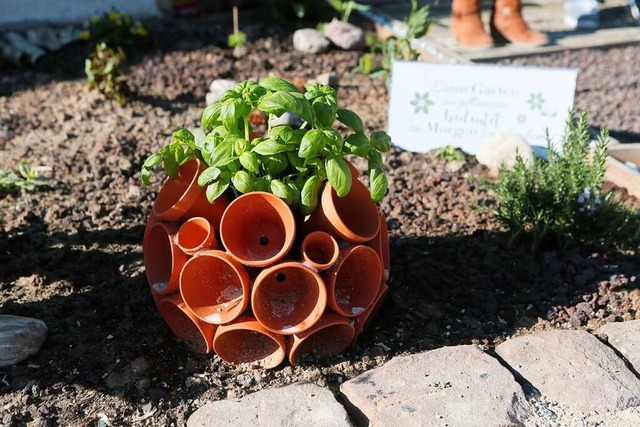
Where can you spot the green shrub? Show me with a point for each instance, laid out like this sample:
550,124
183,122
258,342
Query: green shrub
561,200
103,72
115,29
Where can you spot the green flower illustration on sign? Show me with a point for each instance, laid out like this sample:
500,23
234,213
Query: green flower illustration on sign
536,101
421,103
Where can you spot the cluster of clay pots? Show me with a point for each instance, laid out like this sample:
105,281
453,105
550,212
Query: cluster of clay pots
249,280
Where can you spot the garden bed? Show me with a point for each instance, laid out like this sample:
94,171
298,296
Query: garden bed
71,254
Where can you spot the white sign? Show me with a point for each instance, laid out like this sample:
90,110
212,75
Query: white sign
433,105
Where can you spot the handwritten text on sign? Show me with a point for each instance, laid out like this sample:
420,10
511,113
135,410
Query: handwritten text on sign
433,105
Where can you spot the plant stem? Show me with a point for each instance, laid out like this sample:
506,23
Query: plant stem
247,133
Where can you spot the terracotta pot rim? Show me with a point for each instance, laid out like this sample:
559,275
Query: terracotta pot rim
238,270
176,300
176,258
328,320
251,324
288,221
209,238
316,265
314,315
183,204
328,198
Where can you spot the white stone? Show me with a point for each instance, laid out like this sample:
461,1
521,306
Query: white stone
287,118
344,35
309,40
455,386
625,337
501,151
300,404
573,368
20,338
217,88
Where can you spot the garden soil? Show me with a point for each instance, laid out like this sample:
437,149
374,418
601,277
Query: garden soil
70,253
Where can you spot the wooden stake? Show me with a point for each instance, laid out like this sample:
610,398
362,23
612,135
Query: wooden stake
235,20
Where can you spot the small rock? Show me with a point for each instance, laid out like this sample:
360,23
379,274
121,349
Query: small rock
288,118
240,51
344,35
625,337
330,79
309,40
139,365
192,382
217,88
143,384
20,338
501,150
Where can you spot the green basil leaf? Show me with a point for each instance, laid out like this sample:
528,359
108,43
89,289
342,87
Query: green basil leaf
283,191
305,110
145,176
338,174
154,160
249,161
377,182
294,193
381,141
242,181
282,132
324,113
215,190
277,84
275,164
269,146
334,139
261,184
234,166
312,144
222,154
296,161
310,194
278,103
240,145
207,148
210,116
358,144
171,166
231,111
209,174
375,158
350,119
183,136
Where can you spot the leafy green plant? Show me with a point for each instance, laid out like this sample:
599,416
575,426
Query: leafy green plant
559,200
399,47
103,72
115,29
290,163
344,8
449,153
26,178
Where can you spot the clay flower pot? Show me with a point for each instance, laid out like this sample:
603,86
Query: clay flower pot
353,218
163,260
196,234
179,194
215,287
380,244
258,229
353,282
319,250
363,320
288,298
245,340
211,212
185,324
331,335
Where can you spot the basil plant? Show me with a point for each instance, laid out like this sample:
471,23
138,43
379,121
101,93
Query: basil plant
291,163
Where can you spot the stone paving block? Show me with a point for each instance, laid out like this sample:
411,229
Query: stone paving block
625,337
573,368
300,404
455,386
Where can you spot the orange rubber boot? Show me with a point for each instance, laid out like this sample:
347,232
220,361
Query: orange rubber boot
467,25
508,25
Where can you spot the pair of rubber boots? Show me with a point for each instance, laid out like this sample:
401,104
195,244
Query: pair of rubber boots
507,24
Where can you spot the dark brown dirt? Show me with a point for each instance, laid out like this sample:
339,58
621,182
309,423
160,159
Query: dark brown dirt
70,254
